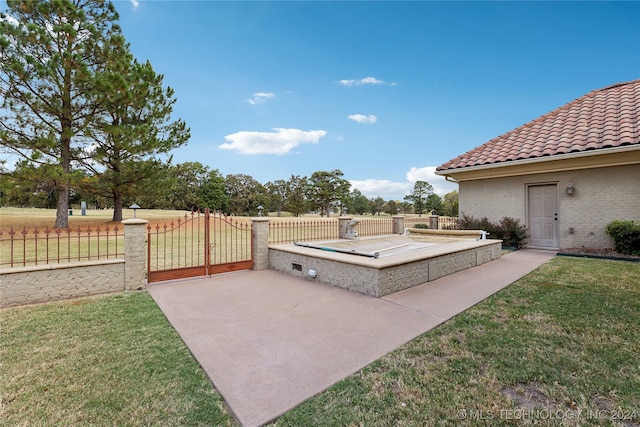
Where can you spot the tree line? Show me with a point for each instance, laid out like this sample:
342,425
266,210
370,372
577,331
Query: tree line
194,186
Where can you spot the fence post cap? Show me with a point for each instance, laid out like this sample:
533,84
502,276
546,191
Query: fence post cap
260,219
134,221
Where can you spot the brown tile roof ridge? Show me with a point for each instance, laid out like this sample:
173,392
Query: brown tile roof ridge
603,118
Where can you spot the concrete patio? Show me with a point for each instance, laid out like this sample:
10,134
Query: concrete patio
269,341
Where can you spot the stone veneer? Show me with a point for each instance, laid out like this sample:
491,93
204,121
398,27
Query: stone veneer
382,276
52,282
37,284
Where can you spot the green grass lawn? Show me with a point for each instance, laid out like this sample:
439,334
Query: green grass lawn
111,360
558,347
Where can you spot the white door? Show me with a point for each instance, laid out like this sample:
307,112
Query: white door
543,216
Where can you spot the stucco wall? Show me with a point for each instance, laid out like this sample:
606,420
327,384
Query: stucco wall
600,196
29,285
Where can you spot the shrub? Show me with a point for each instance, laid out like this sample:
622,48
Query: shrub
625,235
470,223
512,232
421,226
509,230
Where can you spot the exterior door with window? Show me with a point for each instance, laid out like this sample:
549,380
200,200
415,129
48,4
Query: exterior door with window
543,216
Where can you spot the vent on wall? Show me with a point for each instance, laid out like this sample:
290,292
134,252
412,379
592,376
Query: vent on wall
296,267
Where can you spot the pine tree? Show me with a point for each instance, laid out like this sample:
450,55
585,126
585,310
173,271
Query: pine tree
50,55
419,194
132,129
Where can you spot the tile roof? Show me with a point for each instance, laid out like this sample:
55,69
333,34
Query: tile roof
603,118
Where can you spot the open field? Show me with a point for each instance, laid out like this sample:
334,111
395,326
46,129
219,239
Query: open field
35,217
558,347
41,218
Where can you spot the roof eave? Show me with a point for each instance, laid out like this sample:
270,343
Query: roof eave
501,168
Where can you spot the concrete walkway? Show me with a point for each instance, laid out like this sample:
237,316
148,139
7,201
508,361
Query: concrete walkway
269,341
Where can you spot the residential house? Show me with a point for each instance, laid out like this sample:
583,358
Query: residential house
564,175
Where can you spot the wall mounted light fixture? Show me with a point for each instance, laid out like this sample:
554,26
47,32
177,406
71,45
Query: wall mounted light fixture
570,189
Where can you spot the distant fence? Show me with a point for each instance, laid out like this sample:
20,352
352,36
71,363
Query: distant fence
299,229
444,222
374,226
448,222
21,248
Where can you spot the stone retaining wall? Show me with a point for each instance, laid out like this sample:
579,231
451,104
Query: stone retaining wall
37,284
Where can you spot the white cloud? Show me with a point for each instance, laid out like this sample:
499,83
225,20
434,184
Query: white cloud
364,81
280,141
362,118
440,185
135,3
260,97
390,190
384,188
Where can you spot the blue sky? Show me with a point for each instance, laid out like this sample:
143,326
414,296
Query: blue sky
383,91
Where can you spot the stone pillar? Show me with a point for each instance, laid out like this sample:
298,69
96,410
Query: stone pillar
433,222
260,236
397,226
343,226
135,254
